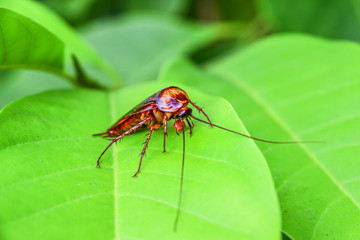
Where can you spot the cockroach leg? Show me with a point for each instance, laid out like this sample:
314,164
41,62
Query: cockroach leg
165,130
200,109
152,128
190,126
193,125
123,135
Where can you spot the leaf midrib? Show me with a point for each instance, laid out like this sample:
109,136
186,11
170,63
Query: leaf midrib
112,104
238,82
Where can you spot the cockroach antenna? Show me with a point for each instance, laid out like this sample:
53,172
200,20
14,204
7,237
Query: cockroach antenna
254,138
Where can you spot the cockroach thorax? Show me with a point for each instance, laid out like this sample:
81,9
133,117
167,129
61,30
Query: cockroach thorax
171,99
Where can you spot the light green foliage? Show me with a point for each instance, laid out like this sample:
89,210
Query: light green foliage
138,45
295,87
24,43
51,189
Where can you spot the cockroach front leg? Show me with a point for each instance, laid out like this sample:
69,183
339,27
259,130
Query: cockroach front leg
200,110
165,130
190,126
152,128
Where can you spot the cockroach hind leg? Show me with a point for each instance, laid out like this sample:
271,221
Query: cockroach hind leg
143,152
121,136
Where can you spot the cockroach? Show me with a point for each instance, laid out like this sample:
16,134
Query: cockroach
154,112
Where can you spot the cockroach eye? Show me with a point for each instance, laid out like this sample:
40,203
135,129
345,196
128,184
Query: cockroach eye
185,113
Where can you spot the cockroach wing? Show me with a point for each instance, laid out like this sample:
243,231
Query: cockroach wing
131,118
146,105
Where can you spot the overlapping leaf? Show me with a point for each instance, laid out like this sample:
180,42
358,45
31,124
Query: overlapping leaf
31,36
24,43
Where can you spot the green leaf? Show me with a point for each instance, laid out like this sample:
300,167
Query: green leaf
51,189
39,29
16,84
329,18
138,45
295,87
24,43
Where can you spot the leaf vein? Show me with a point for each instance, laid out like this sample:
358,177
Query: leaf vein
294,175
187,211
242,85
323,213
55,207
45,176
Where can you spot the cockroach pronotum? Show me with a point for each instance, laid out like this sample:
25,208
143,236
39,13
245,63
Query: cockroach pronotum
169,103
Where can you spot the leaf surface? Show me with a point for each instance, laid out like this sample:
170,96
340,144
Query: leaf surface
20,83
295,87
49,178
25,43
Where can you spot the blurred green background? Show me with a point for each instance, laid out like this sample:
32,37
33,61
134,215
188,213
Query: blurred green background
135,38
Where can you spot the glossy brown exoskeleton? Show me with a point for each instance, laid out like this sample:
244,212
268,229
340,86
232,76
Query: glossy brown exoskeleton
167,104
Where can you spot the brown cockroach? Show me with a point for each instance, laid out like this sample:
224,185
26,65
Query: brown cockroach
167,104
